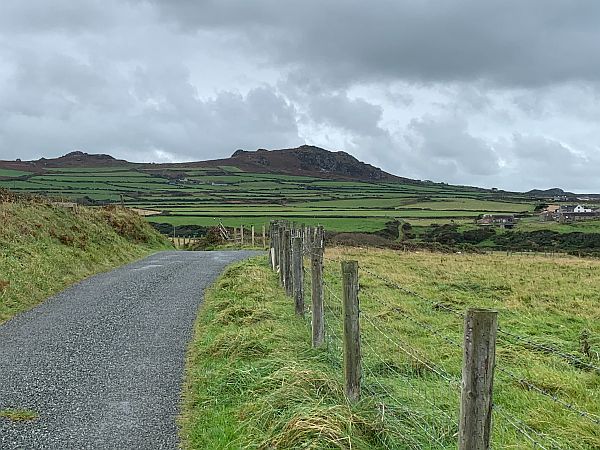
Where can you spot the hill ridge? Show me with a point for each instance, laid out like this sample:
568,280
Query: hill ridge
306,160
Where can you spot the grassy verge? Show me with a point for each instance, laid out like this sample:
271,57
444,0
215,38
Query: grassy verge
44,248
254,382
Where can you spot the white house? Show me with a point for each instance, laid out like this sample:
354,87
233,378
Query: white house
581,209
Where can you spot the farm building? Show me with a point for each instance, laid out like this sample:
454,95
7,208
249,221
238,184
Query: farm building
573,213
501,220
569,213
549,213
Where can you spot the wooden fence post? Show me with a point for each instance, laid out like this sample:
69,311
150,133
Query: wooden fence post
479,355
252,235
264,237
273,245
352,368
281,253
287,265
241,234
318,319
298,275
320,236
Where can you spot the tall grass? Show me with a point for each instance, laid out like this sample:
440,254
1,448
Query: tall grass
254,382
44,248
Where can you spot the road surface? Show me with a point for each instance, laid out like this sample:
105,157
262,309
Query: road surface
102,362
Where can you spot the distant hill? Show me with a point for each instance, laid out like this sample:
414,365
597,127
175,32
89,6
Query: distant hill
305,160
70,160
553,192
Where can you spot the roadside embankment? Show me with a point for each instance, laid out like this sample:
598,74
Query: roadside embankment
45,247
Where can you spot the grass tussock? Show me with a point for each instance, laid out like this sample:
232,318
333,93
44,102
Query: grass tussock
18,415
45,247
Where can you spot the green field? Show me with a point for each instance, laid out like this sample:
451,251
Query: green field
207,196
212,195
9,173
253,380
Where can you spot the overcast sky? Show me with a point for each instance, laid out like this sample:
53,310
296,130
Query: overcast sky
494,93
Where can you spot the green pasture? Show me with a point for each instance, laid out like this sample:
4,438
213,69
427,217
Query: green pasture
10,173
198,195
90,169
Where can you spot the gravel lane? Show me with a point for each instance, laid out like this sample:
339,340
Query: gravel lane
102,362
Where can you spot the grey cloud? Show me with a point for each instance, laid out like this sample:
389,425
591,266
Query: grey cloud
79,16
146,111
354,115
506,42
445,145
547,162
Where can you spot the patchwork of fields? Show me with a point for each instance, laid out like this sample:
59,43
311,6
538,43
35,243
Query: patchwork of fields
208,196
186,196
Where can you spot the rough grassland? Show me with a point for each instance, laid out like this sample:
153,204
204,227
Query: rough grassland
254,382
44,248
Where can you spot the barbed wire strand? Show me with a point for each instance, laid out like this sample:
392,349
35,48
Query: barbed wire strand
576,361
525,429
409,383
570,406
547,349
427,326
414,354
396,285
398,404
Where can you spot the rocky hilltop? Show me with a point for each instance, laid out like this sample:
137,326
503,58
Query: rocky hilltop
70,160
307,160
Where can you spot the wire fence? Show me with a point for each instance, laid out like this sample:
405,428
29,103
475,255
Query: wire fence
533,436
406,380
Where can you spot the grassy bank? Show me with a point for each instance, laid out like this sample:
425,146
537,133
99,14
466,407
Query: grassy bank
254,382
44,248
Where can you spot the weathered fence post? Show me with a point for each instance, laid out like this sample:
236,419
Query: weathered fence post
308,241
264,235
479,359
281,257
352,368
298,275
241,234
252,235
318,319
287,262
273,245
320,236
